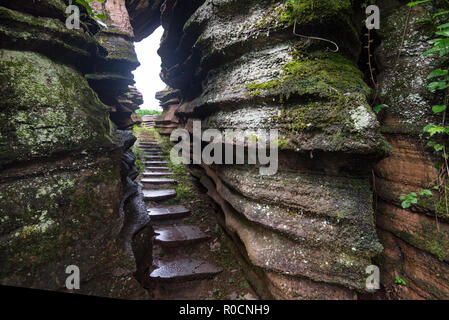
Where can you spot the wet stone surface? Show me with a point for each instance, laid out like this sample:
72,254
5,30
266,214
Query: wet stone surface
166,213
184,270
179,236
158,195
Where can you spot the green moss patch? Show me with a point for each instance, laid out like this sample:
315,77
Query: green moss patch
322,74
47,107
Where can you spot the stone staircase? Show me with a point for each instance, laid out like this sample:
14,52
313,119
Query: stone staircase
149,121
172,276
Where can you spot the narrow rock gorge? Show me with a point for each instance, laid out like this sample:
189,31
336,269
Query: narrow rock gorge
69,188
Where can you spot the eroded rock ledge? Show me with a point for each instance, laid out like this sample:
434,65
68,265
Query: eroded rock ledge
66,190
307,232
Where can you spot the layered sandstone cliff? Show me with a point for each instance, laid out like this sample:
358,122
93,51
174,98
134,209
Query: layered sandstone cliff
66,190
169,102
416,240
308,231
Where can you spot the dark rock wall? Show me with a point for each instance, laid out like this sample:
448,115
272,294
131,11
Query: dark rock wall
145,16
62,200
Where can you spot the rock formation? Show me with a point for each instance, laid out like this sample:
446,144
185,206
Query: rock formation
112,78
67,190
169,101
62,198
416,241
308,231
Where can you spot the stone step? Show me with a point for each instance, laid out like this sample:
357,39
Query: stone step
150,174
156,163
152,150
179,236
157,181
148,144
153,157
183,270
168,213
158,168
158,195
164,155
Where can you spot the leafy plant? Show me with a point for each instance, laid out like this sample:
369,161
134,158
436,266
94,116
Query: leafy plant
413,198
439,83
86,4
140,158
400,281
380,107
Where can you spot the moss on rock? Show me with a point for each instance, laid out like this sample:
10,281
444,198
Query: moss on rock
47,108
321,73
59,218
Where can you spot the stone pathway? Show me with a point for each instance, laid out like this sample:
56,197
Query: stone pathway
173,276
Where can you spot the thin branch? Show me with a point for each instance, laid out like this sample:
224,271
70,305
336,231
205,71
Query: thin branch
315,38
369,60
404,34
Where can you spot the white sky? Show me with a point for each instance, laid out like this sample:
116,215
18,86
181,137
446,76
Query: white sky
147,75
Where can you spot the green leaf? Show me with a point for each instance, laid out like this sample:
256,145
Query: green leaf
446,25
443,33
432,129
405,204
436,146
438,109
437,85
440,46
430,51
414,3
440,13
437,73
426,192
425,19
380,107
399,280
